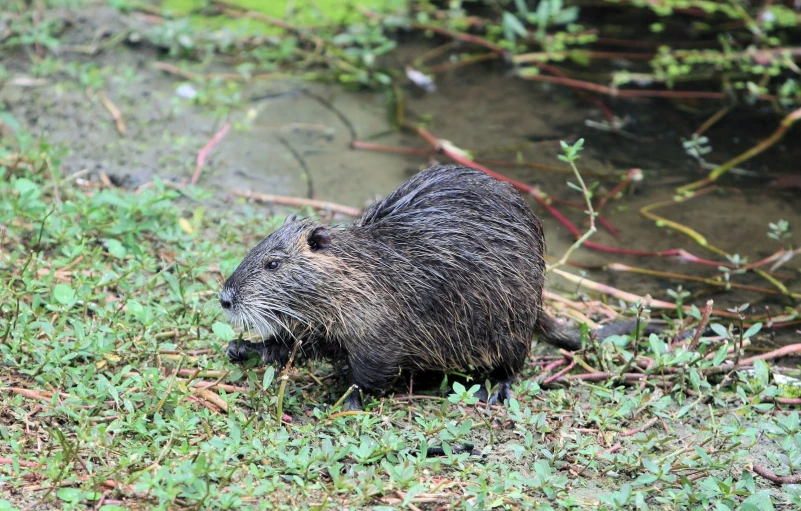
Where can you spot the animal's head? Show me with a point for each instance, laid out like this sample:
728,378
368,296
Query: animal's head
280,279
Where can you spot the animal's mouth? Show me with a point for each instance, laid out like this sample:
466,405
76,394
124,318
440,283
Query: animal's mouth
256,325
262,317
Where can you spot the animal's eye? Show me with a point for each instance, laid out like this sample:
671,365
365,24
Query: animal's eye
272,264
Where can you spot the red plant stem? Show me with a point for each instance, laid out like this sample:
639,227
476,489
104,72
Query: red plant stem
627,93
536,57
608,114
786,400
561,373
626,43
550,367
634,431
781,352
606,224
467,38
22,463
224,386
629,177
701,325
201,157
203,402
765,261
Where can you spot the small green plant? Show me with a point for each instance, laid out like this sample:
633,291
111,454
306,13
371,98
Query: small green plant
697,147
571,155
463,395
780,231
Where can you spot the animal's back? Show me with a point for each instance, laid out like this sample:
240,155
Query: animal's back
458,193
473,253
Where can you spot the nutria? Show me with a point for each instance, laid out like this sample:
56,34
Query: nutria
445,273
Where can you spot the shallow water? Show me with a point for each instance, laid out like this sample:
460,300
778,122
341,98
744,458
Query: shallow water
289,138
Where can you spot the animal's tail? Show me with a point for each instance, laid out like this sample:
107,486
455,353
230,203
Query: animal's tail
570,339
552,333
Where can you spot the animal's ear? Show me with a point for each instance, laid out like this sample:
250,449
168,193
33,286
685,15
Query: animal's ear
319,238
291,218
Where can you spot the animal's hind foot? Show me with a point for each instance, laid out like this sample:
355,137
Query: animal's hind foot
353,403
500,396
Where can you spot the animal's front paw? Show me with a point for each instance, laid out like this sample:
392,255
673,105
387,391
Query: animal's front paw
239,352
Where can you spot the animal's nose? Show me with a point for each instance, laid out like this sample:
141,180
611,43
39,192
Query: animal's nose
226,298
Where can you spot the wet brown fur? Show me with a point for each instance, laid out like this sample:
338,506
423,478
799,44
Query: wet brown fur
445,273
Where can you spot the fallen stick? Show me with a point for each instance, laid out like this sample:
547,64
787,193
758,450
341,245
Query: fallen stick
774,478
611,291
299,202
640,429
114,111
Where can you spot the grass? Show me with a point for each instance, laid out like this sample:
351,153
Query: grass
115,389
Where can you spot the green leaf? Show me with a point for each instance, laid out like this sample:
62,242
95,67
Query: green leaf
683,411
658,346
269,375
64,294
511,23
543,469
755,328
720,356
135,308
646,479
650,466
695,379
70,494
719,329
26,187
223,331
7,506
757,502
703,454
116,249
761,372
566,16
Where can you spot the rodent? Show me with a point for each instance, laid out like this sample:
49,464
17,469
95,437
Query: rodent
445,273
